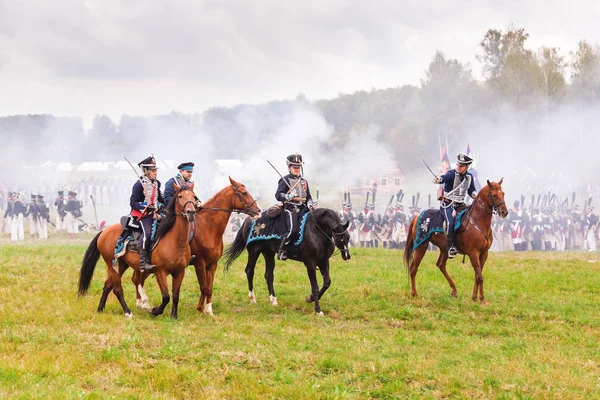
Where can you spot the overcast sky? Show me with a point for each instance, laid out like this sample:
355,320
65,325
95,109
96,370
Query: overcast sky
84,57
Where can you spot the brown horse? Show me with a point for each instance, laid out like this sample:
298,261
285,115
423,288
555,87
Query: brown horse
207,242
473,238
171,256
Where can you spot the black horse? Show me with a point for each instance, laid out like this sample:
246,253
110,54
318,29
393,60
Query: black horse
323,233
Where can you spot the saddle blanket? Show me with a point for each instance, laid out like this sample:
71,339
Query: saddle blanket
432,221
267,228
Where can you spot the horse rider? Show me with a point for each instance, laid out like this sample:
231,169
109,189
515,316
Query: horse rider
146,201
294,192
458,183
183,179
72,213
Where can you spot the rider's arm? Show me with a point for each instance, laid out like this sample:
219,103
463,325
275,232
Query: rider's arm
137,197
282,191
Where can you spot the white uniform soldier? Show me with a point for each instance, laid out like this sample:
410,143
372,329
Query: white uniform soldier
32,214
73,212
59,203
42,217
18,211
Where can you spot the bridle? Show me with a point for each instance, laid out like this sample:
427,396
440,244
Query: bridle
494,208
331,237
247,207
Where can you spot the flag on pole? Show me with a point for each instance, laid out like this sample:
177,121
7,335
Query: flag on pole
468,150
445,161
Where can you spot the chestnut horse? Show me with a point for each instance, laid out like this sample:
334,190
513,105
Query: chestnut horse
473,238
171,255
207,242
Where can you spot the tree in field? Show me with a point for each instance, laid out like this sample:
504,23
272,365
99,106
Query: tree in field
552,69
585,71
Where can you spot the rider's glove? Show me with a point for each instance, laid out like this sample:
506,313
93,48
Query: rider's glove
437,180
288,196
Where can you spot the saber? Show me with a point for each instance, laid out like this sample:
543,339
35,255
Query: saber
286,182
134,170
429,169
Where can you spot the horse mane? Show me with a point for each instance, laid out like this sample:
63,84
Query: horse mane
216,196
167,222
324,214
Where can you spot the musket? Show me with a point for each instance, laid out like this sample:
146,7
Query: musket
95,214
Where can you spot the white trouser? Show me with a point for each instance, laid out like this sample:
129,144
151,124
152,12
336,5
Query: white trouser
591,240
16,228
59,223
71,223
42,228
32,225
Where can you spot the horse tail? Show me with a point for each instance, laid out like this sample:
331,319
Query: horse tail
90,258
237,247
410,242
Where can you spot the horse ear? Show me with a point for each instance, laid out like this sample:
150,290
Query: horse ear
176,186
346,225
191,186
233,183
500,181
489,183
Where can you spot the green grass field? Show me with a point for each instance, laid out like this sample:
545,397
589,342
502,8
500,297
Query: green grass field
537,337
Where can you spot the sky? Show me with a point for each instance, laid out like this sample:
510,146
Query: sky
114,57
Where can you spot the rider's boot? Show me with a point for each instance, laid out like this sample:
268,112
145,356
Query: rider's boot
281,253
451,249
145,265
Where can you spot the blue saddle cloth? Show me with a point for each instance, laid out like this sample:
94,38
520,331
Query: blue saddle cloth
432,221
267,228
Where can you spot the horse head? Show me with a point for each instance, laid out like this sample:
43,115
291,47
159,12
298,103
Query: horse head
495,198
185,205
330,221
243,200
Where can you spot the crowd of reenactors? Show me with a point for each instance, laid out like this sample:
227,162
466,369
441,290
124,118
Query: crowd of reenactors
550,225
36,213
547,223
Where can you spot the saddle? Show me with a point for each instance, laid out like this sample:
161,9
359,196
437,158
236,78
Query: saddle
130,236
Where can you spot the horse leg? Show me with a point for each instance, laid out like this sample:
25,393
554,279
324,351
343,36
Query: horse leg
161,279
118,288
478,275
177,279
210,280
141,301
482,259
418,255
441,264
324,268
250,265
269,277
200,267
108,285
311,269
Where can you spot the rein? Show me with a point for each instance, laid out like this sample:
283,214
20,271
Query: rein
336,250
493,210
246,210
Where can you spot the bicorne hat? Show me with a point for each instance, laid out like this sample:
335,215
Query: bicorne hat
148,163
61,192
294,160
463,159
186,166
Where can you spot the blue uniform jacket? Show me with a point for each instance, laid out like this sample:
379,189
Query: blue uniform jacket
282,188
448,182
136,201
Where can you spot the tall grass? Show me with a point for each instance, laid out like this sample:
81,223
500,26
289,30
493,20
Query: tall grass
537,337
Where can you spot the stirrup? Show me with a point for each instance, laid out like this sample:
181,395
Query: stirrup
147,267
281,255
192,258
452,252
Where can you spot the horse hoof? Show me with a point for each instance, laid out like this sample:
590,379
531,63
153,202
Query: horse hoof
454,294
155,311
273,300
129,315
309,298
484,303
320,314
